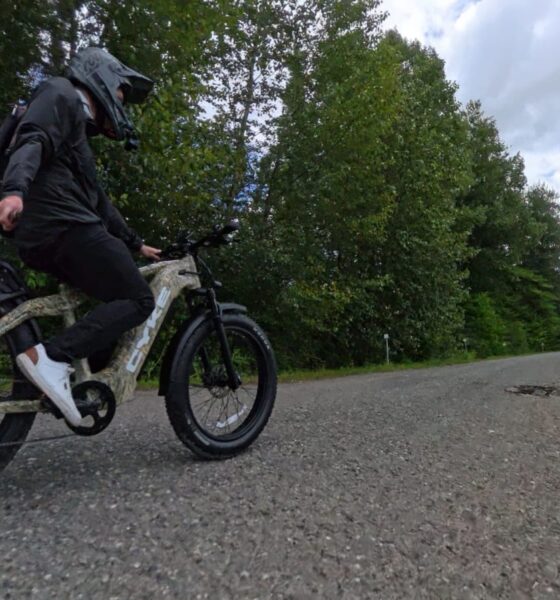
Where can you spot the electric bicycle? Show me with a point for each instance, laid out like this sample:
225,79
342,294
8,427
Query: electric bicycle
218,374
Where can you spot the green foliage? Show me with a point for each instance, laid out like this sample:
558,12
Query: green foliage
426,244
21,46
515,238
486,330
371,202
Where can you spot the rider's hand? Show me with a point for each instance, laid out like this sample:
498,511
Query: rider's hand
10,210
150,253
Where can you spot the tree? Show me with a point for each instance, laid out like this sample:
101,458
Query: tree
428,166
502,224
322,187
370,201
514,240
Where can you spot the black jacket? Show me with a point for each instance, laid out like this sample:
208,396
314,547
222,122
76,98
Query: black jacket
52,168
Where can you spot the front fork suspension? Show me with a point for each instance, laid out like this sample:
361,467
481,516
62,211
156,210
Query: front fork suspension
233,378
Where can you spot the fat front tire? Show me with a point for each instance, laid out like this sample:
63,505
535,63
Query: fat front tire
210,418
14,428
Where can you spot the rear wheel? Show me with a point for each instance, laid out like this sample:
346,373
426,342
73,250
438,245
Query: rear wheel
14,428
209,417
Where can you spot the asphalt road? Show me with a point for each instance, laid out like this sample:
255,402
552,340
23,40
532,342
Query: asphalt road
420,484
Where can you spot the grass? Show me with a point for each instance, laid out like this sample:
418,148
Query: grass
147,384
312,374
315,374
459,359
304,375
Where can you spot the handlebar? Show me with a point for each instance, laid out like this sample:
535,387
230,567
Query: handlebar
219,236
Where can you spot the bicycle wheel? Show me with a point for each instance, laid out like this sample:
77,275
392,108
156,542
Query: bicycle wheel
14,428
210,418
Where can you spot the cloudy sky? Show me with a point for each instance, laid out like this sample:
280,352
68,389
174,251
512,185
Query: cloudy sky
505,53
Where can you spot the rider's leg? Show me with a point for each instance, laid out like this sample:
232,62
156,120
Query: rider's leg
89,258
92,260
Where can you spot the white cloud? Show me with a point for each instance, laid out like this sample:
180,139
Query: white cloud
506,54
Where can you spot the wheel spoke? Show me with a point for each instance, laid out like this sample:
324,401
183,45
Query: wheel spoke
211,405
199,390
221,411
246,390
213,411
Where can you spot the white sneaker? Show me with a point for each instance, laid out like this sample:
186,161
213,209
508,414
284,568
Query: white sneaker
52,377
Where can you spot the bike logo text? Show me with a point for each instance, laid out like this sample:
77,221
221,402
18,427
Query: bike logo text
138,353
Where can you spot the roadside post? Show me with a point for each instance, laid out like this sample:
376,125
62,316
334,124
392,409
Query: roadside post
386,338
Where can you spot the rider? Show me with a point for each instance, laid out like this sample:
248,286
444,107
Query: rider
63,223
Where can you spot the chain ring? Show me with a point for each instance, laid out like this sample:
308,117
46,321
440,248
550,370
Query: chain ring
104,400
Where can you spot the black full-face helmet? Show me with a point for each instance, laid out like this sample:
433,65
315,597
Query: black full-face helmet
102,75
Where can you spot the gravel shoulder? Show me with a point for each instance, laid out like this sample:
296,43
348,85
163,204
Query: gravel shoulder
434,483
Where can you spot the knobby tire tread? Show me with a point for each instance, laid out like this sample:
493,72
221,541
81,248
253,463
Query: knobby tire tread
187,430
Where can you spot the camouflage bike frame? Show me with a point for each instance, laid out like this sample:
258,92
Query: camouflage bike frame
169,279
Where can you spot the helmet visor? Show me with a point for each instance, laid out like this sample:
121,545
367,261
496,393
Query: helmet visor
135,86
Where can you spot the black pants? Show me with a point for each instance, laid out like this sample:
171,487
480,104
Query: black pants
87,257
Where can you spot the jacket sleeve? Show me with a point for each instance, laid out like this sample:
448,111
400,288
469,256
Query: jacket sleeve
47,123
115,223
